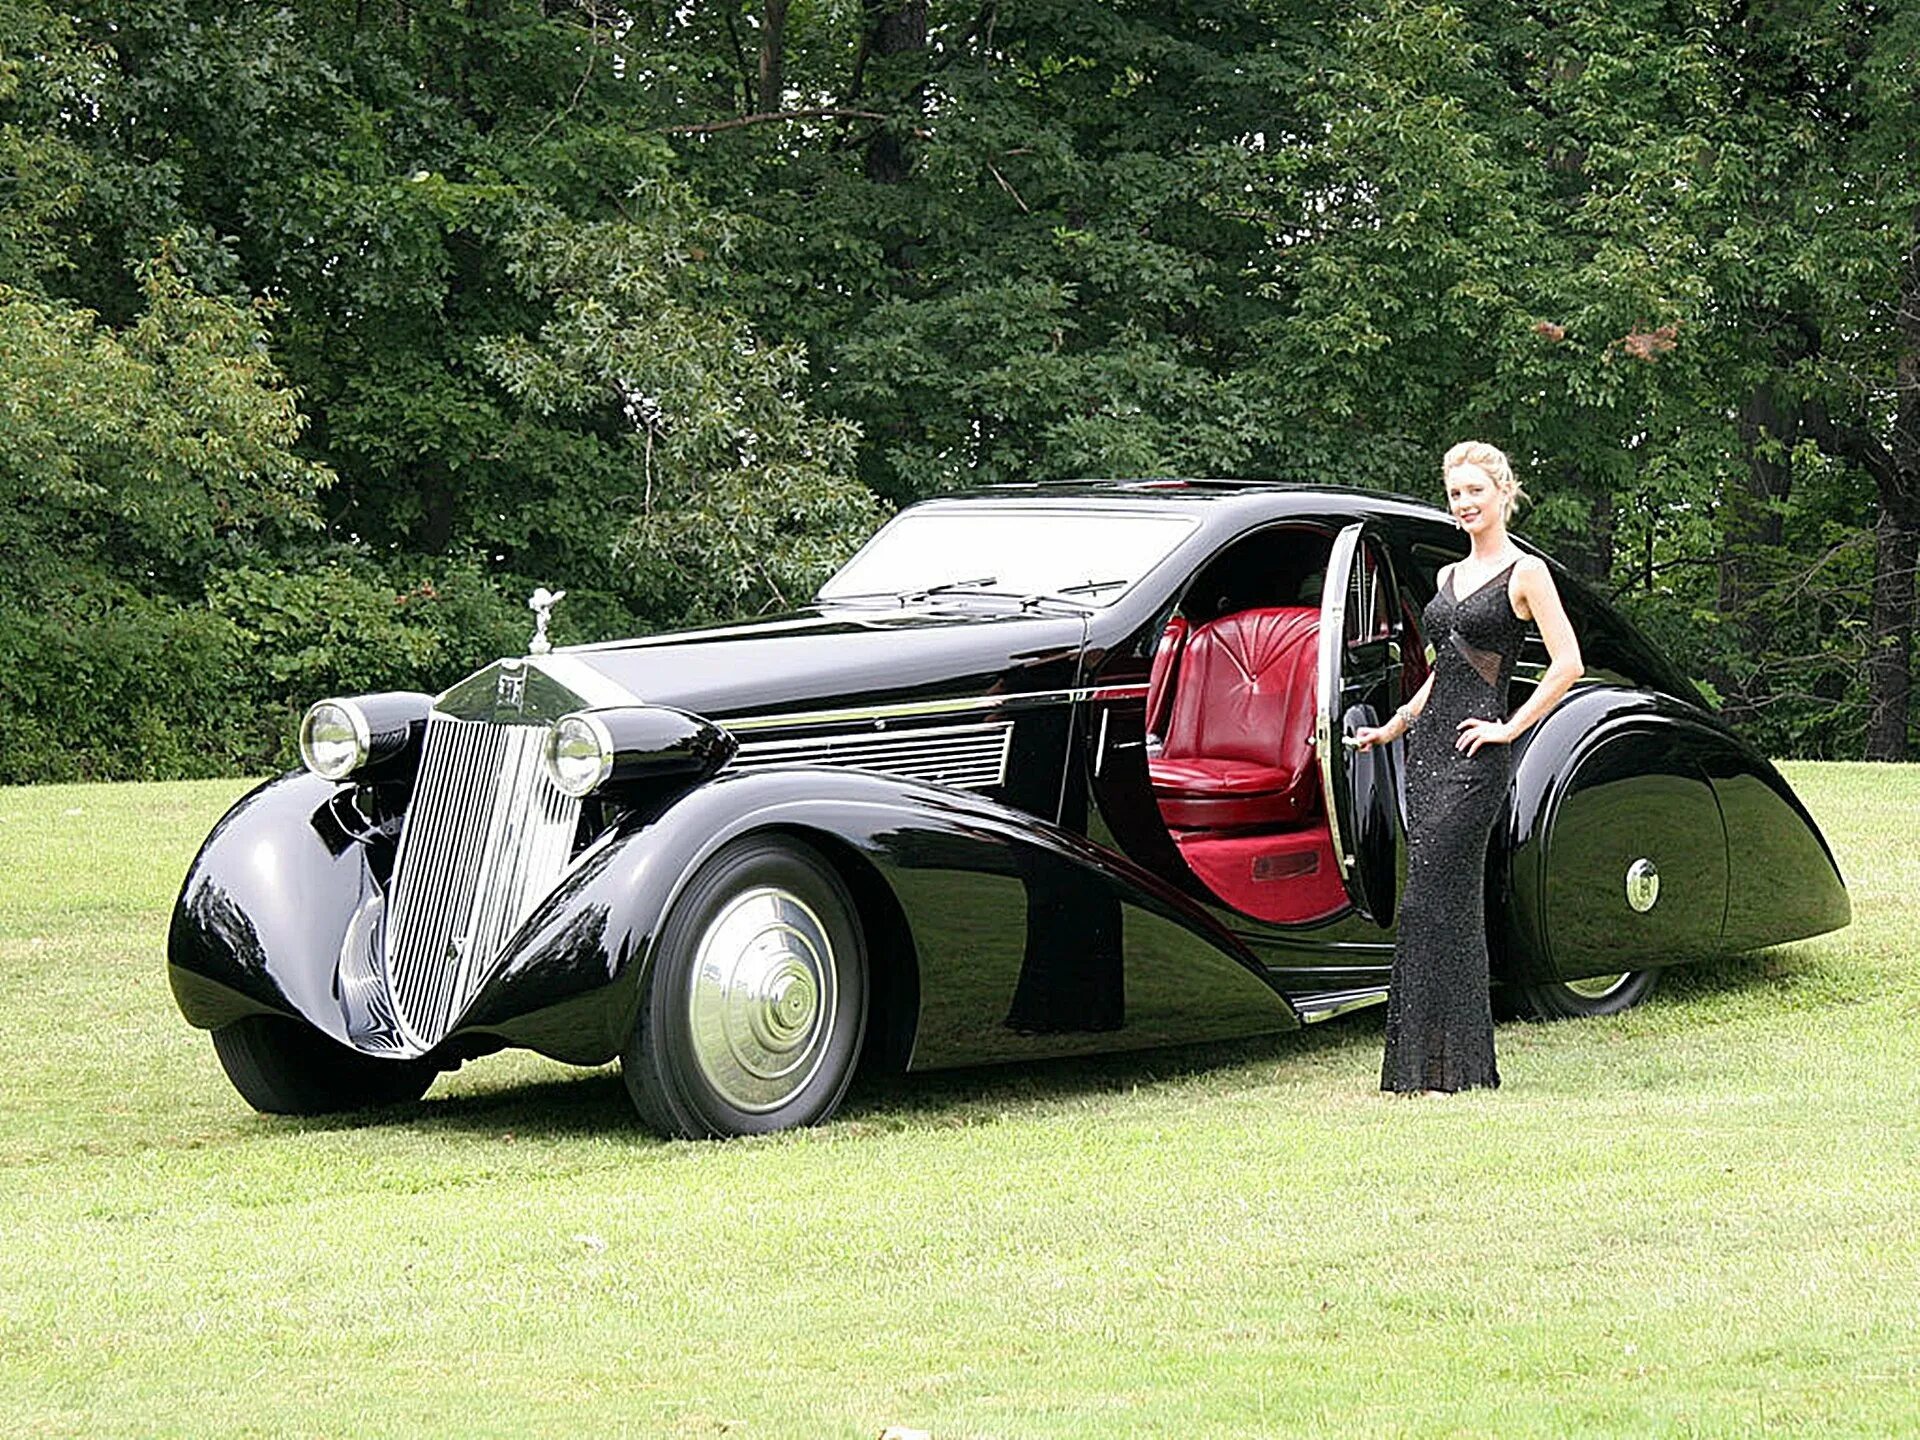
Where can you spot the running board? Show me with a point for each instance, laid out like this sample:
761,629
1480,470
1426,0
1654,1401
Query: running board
1326,1004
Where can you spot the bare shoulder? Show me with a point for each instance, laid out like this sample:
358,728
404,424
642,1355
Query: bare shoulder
1531,586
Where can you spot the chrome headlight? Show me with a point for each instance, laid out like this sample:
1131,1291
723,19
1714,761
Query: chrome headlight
339,738
579,754
635,750
334,739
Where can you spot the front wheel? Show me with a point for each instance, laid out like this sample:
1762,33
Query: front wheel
285,1067
754,1011
1597,995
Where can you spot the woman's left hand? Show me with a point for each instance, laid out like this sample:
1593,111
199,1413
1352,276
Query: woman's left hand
1475,733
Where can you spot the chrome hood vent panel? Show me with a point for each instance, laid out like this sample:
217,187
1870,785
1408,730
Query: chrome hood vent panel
968,756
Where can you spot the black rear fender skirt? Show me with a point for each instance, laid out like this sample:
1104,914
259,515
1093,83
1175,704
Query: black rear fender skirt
1643,833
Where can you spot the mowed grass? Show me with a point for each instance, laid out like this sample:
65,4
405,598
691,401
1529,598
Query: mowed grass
1702,1218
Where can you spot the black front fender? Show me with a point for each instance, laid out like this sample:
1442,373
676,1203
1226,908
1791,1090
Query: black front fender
266,906
1022,939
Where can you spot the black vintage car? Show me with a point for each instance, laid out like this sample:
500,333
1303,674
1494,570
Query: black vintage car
1041,771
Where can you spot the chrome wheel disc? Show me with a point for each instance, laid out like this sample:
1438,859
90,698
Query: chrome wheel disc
762,999
1598,987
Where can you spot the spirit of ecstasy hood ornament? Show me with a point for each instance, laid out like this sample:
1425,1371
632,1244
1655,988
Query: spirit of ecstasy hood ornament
541,603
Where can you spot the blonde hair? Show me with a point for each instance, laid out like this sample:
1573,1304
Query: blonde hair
1493,460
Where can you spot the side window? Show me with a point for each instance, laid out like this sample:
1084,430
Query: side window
1370,606
1280,565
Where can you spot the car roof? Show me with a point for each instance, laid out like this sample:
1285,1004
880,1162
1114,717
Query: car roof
1215,498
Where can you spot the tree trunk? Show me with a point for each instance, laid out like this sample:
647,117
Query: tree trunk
1590,556
1750,523
772,77
1751,519
1897,535
896,27
1896,546
436,508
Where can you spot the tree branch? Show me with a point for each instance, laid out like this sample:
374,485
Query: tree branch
773,118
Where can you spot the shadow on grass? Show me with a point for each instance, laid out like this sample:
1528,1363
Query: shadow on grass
594,1103
1802,971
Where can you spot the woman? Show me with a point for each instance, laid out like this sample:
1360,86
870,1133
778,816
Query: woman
1439,1016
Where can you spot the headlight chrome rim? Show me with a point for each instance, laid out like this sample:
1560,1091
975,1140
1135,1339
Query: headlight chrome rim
334,763
579,754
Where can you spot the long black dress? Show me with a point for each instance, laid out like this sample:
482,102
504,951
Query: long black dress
1439,1016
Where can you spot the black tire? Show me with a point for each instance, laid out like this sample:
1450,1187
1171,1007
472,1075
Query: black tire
284,1067
1560,1000
774,1054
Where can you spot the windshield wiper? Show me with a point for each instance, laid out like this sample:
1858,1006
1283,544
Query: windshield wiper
979,583
1088,585
1063,596
907,596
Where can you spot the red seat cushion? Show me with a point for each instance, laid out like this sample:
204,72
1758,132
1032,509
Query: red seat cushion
1238,752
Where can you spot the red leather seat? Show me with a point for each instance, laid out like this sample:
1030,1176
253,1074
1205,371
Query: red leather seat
1238,751
1166,657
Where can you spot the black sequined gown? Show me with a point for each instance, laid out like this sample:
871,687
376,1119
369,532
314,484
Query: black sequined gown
1439,1017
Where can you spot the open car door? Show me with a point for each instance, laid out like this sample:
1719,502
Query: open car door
1359,678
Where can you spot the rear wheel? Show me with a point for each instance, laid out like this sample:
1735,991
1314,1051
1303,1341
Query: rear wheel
754,1011
285,1067
1596,995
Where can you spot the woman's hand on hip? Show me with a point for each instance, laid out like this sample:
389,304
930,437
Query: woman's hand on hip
1475,733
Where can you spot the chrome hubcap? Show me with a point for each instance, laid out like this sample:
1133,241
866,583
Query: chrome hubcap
762,999
1598,987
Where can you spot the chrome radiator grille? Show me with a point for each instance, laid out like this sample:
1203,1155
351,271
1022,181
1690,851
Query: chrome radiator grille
486,837
971,757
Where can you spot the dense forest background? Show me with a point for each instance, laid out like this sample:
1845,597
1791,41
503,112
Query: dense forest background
330,328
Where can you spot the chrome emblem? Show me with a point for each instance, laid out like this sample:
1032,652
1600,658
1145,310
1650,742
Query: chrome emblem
541,603
1643,885
510,691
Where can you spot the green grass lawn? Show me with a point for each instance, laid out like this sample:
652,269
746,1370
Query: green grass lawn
1699,1219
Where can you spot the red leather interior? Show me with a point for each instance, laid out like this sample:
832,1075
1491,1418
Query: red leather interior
1166,659
1237,753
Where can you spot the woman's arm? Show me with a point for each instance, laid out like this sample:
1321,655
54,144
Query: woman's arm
1538,600
1367,737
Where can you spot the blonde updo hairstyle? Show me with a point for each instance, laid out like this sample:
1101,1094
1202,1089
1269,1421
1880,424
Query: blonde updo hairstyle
1493,460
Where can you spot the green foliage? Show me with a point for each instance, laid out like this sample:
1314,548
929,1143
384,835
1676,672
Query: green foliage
131,461
343,628
745,500
104,682
666,307
158,446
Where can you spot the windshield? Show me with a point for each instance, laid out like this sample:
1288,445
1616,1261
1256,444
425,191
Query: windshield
1090,559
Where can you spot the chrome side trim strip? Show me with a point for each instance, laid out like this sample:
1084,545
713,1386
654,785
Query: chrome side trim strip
1315,1008
911,709
1333,624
